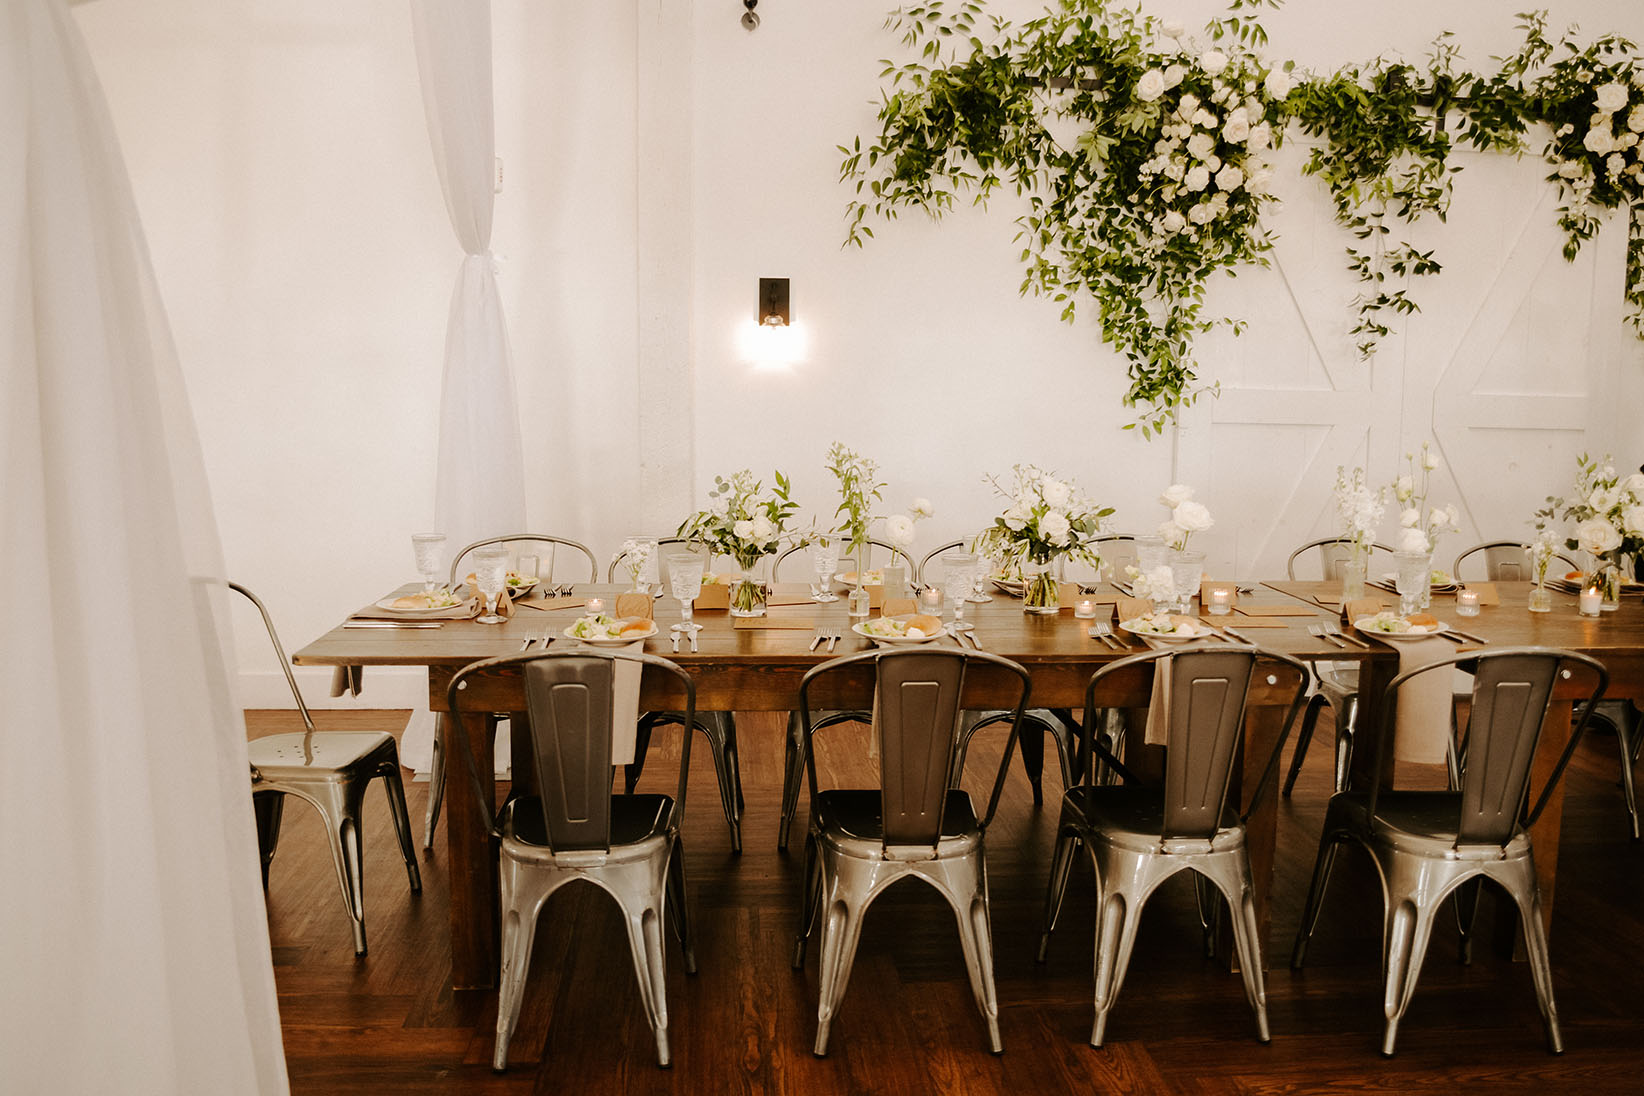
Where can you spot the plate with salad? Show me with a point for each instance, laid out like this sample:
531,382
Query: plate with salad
1165,627
919,628
602,628
433,602
1390,625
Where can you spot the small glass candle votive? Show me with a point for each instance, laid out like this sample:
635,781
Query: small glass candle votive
930,601
1467,603
1084,609
1591,601
594,606
1219,601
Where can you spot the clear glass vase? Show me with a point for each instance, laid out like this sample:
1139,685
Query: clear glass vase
1607,581
1041,587
748,592
1353,571
1186,575
1540,600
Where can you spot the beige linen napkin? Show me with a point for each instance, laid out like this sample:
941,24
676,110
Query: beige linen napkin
1421,732
625,675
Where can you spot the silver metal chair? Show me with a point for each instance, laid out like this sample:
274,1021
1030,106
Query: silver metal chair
917,823
664,546
1429,844
1137,837
1337,683
895,555
436,767
627,845
1504,561
330,771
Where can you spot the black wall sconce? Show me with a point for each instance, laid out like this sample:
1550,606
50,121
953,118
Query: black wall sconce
750,18
773,303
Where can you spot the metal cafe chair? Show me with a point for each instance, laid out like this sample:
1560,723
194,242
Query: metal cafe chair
575,828
1137,837
1429,844
917,823
436,767
1504,561
328,770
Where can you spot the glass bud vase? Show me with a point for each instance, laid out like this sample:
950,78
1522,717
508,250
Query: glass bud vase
748,592
1041,592
1353,570
1607,580
1540,600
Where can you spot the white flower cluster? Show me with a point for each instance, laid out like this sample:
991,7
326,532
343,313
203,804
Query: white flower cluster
1608,510
1615,137
636,557
743,520
1186,516
1358,509
1047,517
899,527
1420,525
1157,584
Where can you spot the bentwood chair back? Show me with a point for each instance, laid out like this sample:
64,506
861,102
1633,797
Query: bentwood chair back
1333,554
1430,844
575,829
875,547
917,823
665,547
1137,837
1505,561
329,770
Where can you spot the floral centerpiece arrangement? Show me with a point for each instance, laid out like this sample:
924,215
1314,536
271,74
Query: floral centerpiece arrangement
1541,553
1608,515
1186,516
1359,511
747,523
1157,584
637,555
1048,520
1420,523
860,490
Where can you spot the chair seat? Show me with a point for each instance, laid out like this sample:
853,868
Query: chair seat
281,756
1421,823
851,815
1133,818
637,823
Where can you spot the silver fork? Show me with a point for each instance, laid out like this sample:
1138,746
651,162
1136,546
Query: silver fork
833,638
1333,630
1317,631
1104,632
816,640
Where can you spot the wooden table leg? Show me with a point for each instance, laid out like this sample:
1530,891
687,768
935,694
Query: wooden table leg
1262,727
473,862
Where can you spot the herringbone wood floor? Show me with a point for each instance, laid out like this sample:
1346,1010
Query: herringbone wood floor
390,1022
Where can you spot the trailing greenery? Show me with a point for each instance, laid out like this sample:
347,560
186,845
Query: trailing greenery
1166,182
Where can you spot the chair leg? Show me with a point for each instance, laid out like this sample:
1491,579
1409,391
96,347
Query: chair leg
841,930
1032,744
724,757
1629,742
1315,898
436,784
1117,917
642,746
1304,737
268,808
1409,928
970,909
810,900
645,942
1467,895
1230,875
727,723
1061,866
1346,721
1207,896
342,816
1528,897
793,774
518,931
678,910
394,785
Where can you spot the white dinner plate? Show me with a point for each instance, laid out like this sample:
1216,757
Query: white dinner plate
1200,631
610,641
848,578
1397,637
523,586
388,603
1391,581
860,630
1015,587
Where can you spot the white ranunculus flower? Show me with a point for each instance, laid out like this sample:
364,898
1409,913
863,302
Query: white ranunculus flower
1201,145
1196,180
1172,533
1015,518
1598,536
1569,169
1175,495
1411,540
1150,86
1440,519
1173,222
1604,498
922,507
1277,84
1172,28
1635,119
1403,488
742,530
1611,97
1634,485
1615,163
1599,140
1187,105
1203,119
1409,517
1192,516
899,530
1202,214
1173,75
1213,61
1055,527
1453,515
1055,492
1429,460
1632,520
763,530
1237,129
1229,178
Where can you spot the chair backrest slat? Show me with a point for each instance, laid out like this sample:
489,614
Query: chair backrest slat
918,720
1510,697
569,701
1207,698
1333,554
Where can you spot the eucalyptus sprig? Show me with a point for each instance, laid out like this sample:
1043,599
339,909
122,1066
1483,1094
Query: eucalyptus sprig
859,489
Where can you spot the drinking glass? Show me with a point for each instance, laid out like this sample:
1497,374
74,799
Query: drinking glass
1186,574
981,570
490,575
1411,579
1150,553
429,549
958,580
825,558
685,582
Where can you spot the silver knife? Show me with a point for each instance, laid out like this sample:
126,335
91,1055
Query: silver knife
1240,636
390,624
1468,636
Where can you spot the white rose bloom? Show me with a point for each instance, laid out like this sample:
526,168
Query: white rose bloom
1015,518
1213,163
1404,487
1634,485
1150,86
1172,28
1277,84
1189,103
1229,178
1055,527
922,507
1192,516
762,528
1173,75
1598,120
1601,141
1055,492
1200,145
1237,129
742,530
899,530
1196,180
1213,61
1261,136
1569,169
1257,183
1598,536
1173,222
1611,97
1632,518
1203,119
1175,495
1604,498
1409,518
1411,540
1173,534
1635,119
1626,140
1615,163
1202,214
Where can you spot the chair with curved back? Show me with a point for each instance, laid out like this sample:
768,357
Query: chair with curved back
1428,845
1137,837
1504,561
575,828
436,767
328,770
1337,682
873,543
917,823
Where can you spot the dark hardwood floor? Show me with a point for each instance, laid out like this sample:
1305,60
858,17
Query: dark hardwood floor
391,1023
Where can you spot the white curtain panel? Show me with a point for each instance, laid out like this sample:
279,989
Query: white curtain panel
134,952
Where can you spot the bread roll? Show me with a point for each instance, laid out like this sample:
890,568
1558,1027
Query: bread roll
411,601
927,624
636,626
1422,620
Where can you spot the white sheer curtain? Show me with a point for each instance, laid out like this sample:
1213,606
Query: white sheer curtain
134,951
480,488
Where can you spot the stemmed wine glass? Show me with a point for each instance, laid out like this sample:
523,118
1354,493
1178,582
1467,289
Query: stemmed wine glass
685,582
958,582
430,552
981,569
1411,579
490,576
825,558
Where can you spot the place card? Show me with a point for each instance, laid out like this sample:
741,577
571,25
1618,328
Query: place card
714,595
1129,608
633,605
1361,607
899,606
1486,591
548,603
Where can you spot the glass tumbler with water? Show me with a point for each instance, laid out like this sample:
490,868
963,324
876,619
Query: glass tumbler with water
825,559
958,580
685,583
430,552
490,575
1411,579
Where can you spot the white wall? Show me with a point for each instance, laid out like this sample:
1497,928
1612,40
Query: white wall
659,160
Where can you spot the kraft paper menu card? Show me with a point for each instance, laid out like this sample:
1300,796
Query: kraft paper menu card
1278,610
1129,608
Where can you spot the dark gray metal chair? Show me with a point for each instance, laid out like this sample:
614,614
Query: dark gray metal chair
1429,844
627,845
436,767
917,823
1504,561
1137,837
328,770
